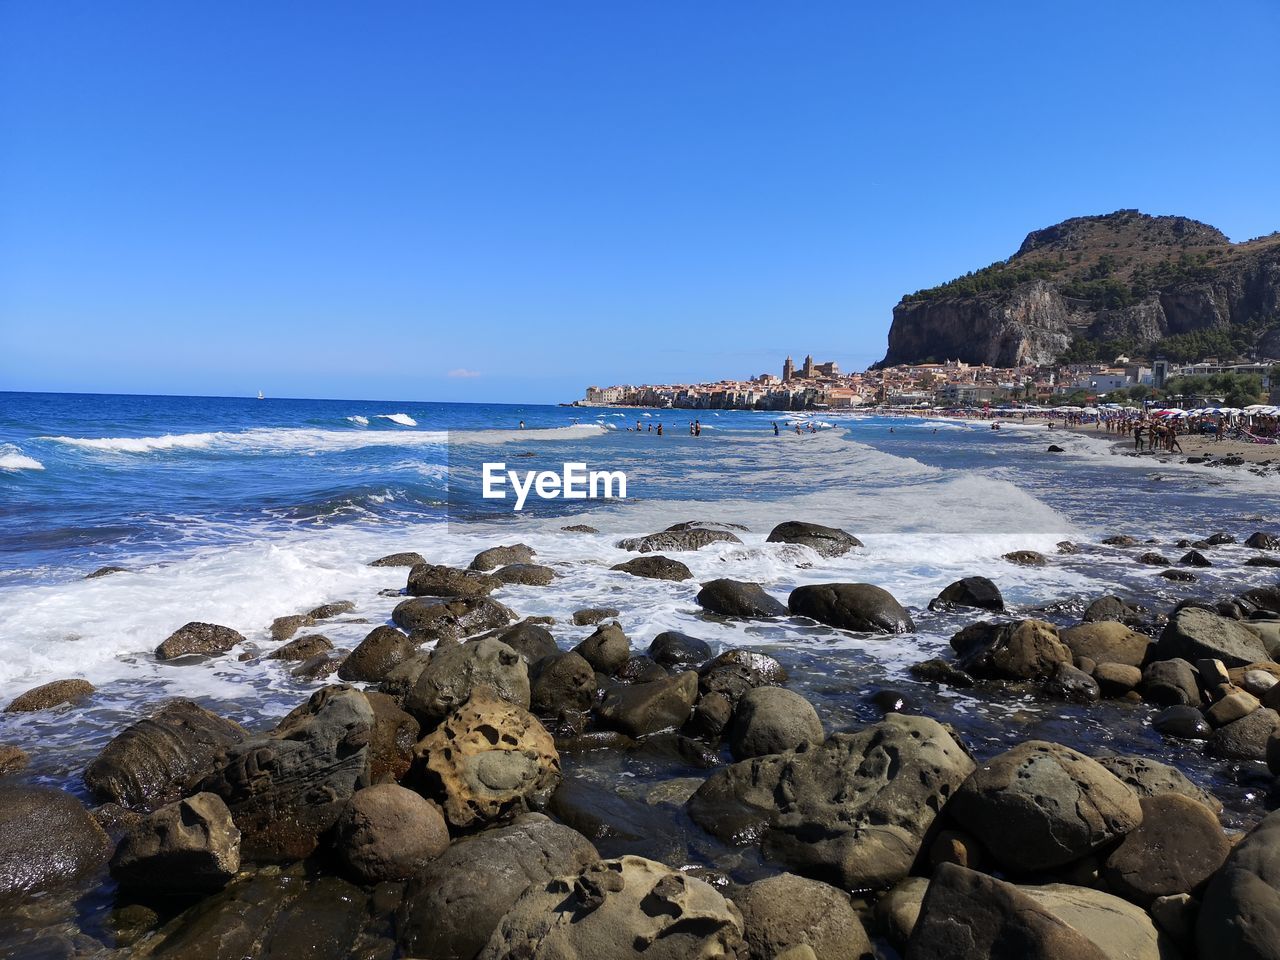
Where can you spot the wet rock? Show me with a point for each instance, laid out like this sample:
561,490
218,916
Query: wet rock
531,640
968,914
1026,558
105,572
12,759
1195,558
153,760
287,788
452,674
642,669
436,580
400,680
655,567
1072,685
496,557
1122,540
525,574
1258,682
1263,541
1019,650
891,701
47,841
389,833
1246,738
1054,448
1116,679
640,709
594,615
407,559
561,681
1153,559
852,811
186,848
48,695
825,541
978,592
282,628
710,717
677,540
1184,722
579,528
772,720
738,670
616,824
788,911
1067,548
1107,641
1177,576
381,651
1151,778
490,758
317,667
391,742
1170,683
937,670
451,908
428,619
1262,562
734,598
861,607
1111,608
1219,539
1232,707
1042,805
1194,634
303,648
198,639
675,649
628,907
607,649
335,608
1240,912
1176,849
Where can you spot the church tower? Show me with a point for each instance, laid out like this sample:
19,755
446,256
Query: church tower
788,370
808,367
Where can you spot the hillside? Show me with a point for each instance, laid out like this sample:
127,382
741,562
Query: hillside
1091,287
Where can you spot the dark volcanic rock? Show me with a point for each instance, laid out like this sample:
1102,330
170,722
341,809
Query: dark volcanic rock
12,759
593,615
198,639
852,811
52,694
154,759
452,674
561,681
303,648
976,592
1072,685
531,640
1026,558
430,619
450,909
673,648
1246,738
1111,608
525,574
105,572
398,560
1176,849
1263,541
435,580
1168,683
607,649
738,670
389,833
287,788
1019,650
47,840
655,567
733,598
639,709
771,720
1107,641
1194,634
381,651
1151,778
787,911
861,607
1240,915
496,557
185,848
1184,722
693,538
825,541
1195,558
327,611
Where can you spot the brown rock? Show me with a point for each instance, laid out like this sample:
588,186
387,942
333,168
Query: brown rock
1107,641
1176,849
48,695
389,833
198,639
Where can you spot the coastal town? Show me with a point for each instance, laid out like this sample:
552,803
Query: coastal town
819,386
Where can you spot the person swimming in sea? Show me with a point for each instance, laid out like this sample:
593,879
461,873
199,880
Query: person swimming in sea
521,424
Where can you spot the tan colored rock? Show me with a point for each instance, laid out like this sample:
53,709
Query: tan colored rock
48,695
1107,641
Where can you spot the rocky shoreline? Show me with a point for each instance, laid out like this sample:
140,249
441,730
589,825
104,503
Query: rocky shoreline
448,790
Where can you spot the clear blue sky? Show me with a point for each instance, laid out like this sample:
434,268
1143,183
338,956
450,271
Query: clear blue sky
361,199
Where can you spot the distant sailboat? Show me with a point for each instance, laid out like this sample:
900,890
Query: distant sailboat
260,396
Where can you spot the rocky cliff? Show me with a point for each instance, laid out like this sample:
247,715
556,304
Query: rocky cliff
1091,286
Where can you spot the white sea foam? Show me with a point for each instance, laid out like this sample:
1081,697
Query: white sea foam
401,418
576,431
362,421
259,440
12,459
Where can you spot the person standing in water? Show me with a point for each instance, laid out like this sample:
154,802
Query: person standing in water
697,428
521,424
775,428
659,429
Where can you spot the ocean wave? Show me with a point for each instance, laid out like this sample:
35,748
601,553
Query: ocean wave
401,418
575,432
259,440
362,421
13,459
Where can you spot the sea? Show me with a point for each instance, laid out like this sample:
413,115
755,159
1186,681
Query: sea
239,510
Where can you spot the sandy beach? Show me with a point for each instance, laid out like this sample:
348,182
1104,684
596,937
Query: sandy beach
1196,449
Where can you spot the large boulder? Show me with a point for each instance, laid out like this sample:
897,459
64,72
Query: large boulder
430,619
47,840
852,811
1151,778
787,911
1042,805
496,557
1107,641
639,709
688,538
628,907
47,695
391,742
450,909
607,649
153,760
1111,607
198,639
437,580
737,670
976,592
561,681
1246,738
377,655
655,567
403,559
1020,650
525,575
1171,683
862,607
1263,541
453,673
825,541
1176,849
490,758
531,640
186,848
1195,634
389,833
1240,914
733,598
967,914
672,648
287,788
772,720
303,648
